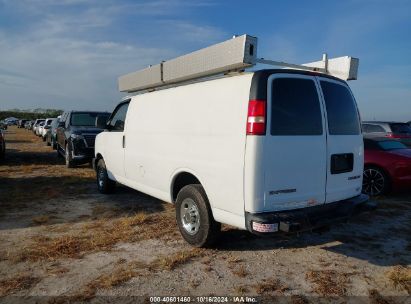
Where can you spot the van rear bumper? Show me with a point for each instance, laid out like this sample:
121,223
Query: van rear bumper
307,218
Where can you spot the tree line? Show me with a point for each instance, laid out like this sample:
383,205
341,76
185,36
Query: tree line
30,115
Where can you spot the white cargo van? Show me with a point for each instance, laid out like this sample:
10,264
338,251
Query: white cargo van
267,151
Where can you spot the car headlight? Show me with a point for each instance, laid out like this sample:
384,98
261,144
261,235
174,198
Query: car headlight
77,136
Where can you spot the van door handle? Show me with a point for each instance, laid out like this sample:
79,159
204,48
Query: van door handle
124,141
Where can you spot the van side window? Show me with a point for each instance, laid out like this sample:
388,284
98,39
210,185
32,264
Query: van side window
119,117
295,108
342,113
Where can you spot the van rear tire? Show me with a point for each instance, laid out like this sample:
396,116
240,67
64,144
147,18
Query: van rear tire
104,184
194,217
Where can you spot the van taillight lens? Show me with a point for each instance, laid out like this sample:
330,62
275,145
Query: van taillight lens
256,117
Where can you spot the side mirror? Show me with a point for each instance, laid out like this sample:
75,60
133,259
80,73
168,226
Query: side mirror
101,122
47,127
61,124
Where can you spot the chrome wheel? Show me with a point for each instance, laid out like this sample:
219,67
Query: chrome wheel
373,182
190,216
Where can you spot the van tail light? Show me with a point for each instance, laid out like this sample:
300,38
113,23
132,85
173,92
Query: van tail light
256,118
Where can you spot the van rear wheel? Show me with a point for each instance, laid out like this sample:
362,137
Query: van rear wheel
104,184
194,217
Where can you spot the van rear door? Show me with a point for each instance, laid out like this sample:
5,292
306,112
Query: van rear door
345,148
295,143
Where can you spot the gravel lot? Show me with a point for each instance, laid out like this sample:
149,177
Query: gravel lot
59,237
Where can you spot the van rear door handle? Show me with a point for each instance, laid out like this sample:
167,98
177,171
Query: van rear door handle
124,141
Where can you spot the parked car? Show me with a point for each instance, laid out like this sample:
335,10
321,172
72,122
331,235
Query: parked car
30,125
21,123
76,134
261,151
39,128
46,127
3,125
11,121
397,130
387,166
36,123
2,145
51,134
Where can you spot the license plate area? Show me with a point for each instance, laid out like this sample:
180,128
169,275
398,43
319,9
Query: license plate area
342,163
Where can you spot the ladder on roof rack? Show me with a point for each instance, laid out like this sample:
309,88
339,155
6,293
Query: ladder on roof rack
232,55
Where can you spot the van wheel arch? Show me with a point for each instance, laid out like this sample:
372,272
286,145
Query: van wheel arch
98,157
181,180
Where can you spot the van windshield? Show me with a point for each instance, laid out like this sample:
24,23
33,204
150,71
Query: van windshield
86,119
342,112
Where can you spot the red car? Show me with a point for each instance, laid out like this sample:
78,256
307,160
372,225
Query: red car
387,166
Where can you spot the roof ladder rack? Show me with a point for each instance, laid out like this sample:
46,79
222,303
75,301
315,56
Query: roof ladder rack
236,54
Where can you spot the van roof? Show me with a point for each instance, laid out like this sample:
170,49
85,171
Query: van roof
258,88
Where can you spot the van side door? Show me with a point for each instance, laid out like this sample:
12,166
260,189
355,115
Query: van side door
345,146
115,141
295,144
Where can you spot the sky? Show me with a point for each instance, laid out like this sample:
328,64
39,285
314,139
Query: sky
68,54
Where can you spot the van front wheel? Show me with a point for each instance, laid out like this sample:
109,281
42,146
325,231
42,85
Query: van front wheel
194,217
104,184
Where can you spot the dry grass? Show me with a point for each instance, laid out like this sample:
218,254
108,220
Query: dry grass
105,211
106,281
24,190
41,219
376,298
57,271
95,236
15,284
299,299
117,277
177,259
33,173
240,272
241,289
328,282
269,286
401,277
234,260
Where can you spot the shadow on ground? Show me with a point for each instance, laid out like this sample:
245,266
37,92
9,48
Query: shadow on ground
16,157
66,199
381,237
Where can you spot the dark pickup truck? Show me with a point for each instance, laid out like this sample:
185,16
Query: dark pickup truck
76,134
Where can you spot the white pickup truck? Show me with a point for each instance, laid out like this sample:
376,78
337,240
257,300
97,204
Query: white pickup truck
267,151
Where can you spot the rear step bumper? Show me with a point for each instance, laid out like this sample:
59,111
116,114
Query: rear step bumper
307,218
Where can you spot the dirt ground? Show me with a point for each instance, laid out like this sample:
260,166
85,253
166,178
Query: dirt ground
60,237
